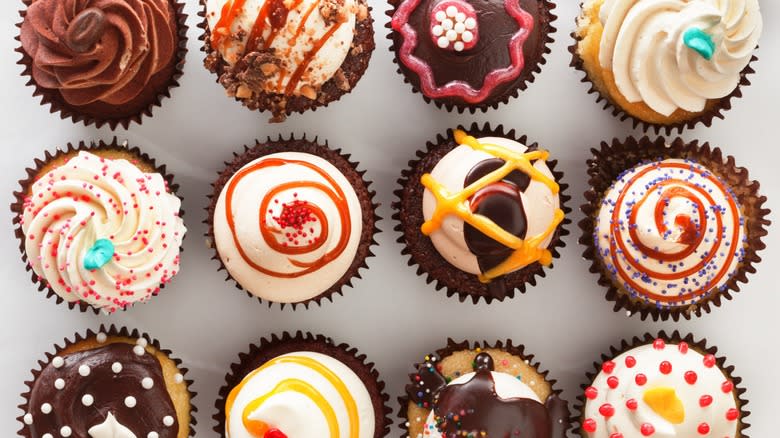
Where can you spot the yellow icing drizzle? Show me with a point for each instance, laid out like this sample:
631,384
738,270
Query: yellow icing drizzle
448,203
291,385
664,402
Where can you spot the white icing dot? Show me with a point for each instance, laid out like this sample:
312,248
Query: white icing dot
461,17
84,371
65,431
168,421
101,337
147,383
467,36
459,27
438,30
59,383
178,378
440,16
28,419
116,367
142,342
443,42
46,408
458,46
87,400
447,24
58,362
452,35
470,23
139,350
130,401
47,435
452,11
152,434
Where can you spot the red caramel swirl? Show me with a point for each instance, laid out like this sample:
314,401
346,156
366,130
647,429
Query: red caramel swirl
98,50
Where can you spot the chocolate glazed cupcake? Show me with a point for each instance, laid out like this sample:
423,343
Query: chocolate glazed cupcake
317,225
671,229
488,390
111,383
468,54
103,62
666,385
302,385
481,212
287,57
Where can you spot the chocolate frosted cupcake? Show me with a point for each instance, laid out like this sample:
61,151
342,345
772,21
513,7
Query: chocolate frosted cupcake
287,56
672,228
662,386
667,66
315,214
103,62
302,386
113,383
470,54
489,390
99,225
481,212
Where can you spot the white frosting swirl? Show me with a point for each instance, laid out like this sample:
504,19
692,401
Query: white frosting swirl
91,198
304,28
274,273
110,428
630,409
539,202
643,45
670,232
295,413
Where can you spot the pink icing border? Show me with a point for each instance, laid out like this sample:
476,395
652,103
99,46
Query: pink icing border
461,89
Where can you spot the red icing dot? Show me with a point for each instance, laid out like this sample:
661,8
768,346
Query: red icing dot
616,435
683,347
589,425
647,429
640,379
630,361
727,386
608,366
704,429
732,414
591,392
705,400
631,404
709,361
613,382
607,410
691,377
665,367
659,344
274,433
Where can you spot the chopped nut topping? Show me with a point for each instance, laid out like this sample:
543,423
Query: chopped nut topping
333,11
243,92
308,92
362,12
341,80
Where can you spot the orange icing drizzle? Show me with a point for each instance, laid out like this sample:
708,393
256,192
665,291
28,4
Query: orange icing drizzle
290,385
226,18
298,73
449,203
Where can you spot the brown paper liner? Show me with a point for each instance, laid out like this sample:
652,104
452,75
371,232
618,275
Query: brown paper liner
354,65
110,331
277,345
53,98
17,207
610,160
454,347
527,76
420,249
335,157
675,338
705,117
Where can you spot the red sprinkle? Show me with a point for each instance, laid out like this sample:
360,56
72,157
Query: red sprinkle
704,429
665,367
640,379
274,433
647,429
709,361
705,400
732,414
589,425
607,410
691,377
630,361
727,386
631,404
591,393
608,366
613,382
683,347
659,344
616,435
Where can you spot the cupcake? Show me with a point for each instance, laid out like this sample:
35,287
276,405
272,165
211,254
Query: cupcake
302,386
670,228
114,383
489,390
481,212
287,57
667,66
470,55
663,386
105,62
99,225
315,214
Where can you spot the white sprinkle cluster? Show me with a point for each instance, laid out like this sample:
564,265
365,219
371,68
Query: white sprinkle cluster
130,401
453,27
59,383
142,342
28,419
178,378
65,431
46,408
87,400
168,421
58,362
102,338
116,367
147,383
84,371
47,435
139,350
152,434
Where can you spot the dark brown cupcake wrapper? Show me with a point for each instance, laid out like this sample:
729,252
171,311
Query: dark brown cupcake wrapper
545,5
110,331
610,160
17,207
370,218
578,410
358,63
52,97
454,347
277,345
454,282
706,117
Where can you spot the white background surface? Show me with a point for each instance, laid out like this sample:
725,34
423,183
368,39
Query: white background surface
391,315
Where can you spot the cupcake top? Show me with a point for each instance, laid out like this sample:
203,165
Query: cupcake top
661,389
102,231
677,55
112,390
287,226
491,207
100,51
301,394
670,232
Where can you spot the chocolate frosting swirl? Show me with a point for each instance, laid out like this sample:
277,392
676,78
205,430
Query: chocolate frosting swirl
62,396
98,50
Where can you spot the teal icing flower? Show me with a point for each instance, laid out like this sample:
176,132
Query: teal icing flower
100,254
700,41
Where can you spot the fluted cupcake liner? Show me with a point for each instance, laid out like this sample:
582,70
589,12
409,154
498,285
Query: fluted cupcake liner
453,347
409,218
527,76
277,345
17,207
111,331
339,160
354,67
626,345
53,99
606,165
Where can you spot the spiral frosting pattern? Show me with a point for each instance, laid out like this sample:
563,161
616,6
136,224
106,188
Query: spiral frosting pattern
670,232
98,50
677,54
102,231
